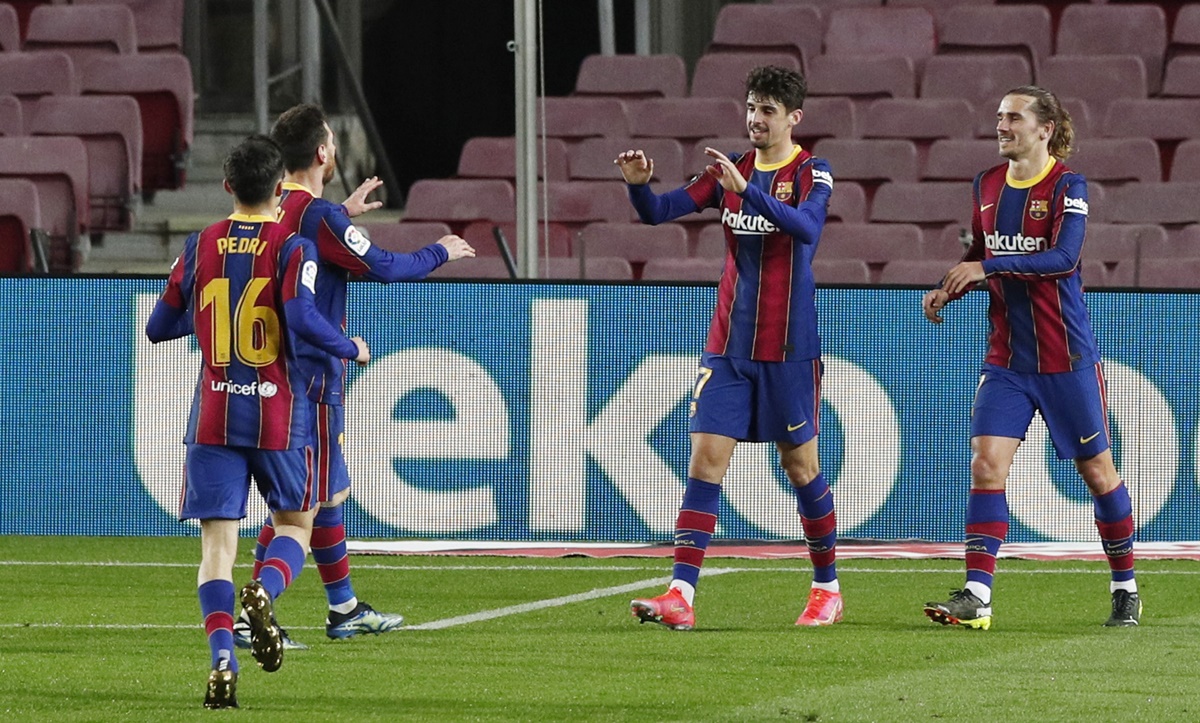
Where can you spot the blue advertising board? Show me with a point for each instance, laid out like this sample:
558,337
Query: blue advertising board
559,412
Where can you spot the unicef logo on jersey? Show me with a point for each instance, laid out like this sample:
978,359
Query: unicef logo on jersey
265,390
268,390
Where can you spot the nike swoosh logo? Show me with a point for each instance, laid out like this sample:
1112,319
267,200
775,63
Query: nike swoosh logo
1085,440
984,208
794,427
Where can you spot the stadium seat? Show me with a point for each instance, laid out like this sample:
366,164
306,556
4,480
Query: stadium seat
848,203
1173,273
928,202
1155,203
1163,119
484,157
794,29
1097,201
481,235
592,158
1184,242
1023,29
161,83
578,202
686,118
20,214
1093,273
111,130
82,31
1114,243
953,159
632,76
600,268
12,120
826,117
487,268
698,270
1181,78
460,200
840,271
1117,160
937,7
919,118
1186,164
1086,124
854,159
10,35
886,31
825,6
723,75
710,242
58,167
695,159
980,79
874,243
1139,29
1097,80
921,272
1122,274
30,76
861,78
406,236
159,23
577,117
946,245
634,242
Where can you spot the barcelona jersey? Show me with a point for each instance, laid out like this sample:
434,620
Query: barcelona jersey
344,252
234,278
1029,235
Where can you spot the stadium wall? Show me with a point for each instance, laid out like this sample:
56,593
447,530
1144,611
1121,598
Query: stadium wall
559,412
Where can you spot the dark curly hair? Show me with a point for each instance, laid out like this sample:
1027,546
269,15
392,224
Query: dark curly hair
779,84
299,131
253,168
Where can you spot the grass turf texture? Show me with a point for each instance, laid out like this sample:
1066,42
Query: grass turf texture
1046,657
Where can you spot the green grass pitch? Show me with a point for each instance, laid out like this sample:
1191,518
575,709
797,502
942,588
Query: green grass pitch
101,629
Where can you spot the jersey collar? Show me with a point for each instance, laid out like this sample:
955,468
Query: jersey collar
249,219
1033,181
293,186
776,166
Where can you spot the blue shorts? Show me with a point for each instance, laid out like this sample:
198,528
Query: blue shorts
216,481
753,401
1074,406
330,475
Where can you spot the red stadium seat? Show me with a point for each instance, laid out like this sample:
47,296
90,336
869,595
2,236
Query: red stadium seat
1024,29
481,235
406,236
12,120
862,78
484,157
111,130
1117,160
1097,80
1122,274
921,272
939,7
980,79
826,117
601,268
1186,165
710,242
1113,243
919,118
795,29
960,160
854,159
686,118
10,35
695,159
848,203
487,268
583,117
1181,78
886,31
874,243
159,23
723,75
1139,29
1163,119
632,76
1184,242
592,158
928,202
20,214
947,245
1161,203
58,167
634,242
1097,201
700,270
1173,273
460,200
1094,274
840,271
576,202
1085,124
826,6
82,32
30,76
161,83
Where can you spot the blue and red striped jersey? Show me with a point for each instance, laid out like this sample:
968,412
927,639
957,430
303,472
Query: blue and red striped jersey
343,252
1029,235
766,298
235,278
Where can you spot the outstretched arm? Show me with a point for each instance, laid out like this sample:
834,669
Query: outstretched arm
637,170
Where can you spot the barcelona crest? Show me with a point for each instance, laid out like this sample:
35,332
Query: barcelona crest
1039,208
783,191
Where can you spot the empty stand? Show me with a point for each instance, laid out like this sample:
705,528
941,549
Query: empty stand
848,203
632,76
710,242
1155,203
826,117
930,202
485,157
862,78
1139,29
840,271
855,159
1122,274
1117,160
592,158
886,31
460,200
1186,166
579,117
919,118
82,31
937,7
30,76
872,243
686,118
576,202
1116,243
921,272
697,270
1093,273
405,237
955,159
161,83
58,167
1086,124
1097,201
482,236
1163,119
1184,242
20,214
1182,77
1024,29
948,245
489,268
826,6
12,120
980,79
10,35
723,75
159,23
1097,80
1174,273
602,268
795,29
634,242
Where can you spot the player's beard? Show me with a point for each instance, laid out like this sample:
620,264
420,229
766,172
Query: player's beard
763,141
327,176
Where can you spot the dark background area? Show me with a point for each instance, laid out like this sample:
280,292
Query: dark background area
438,73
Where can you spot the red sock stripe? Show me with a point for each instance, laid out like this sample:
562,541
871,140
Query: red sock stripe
334,572
693,556
1118,530
998,530
699,521
981,561
218,620
283,569
820,527
326,537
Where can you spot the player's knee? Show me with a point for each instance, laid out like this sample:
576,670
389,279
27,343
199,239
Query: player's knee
801,473
988,473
